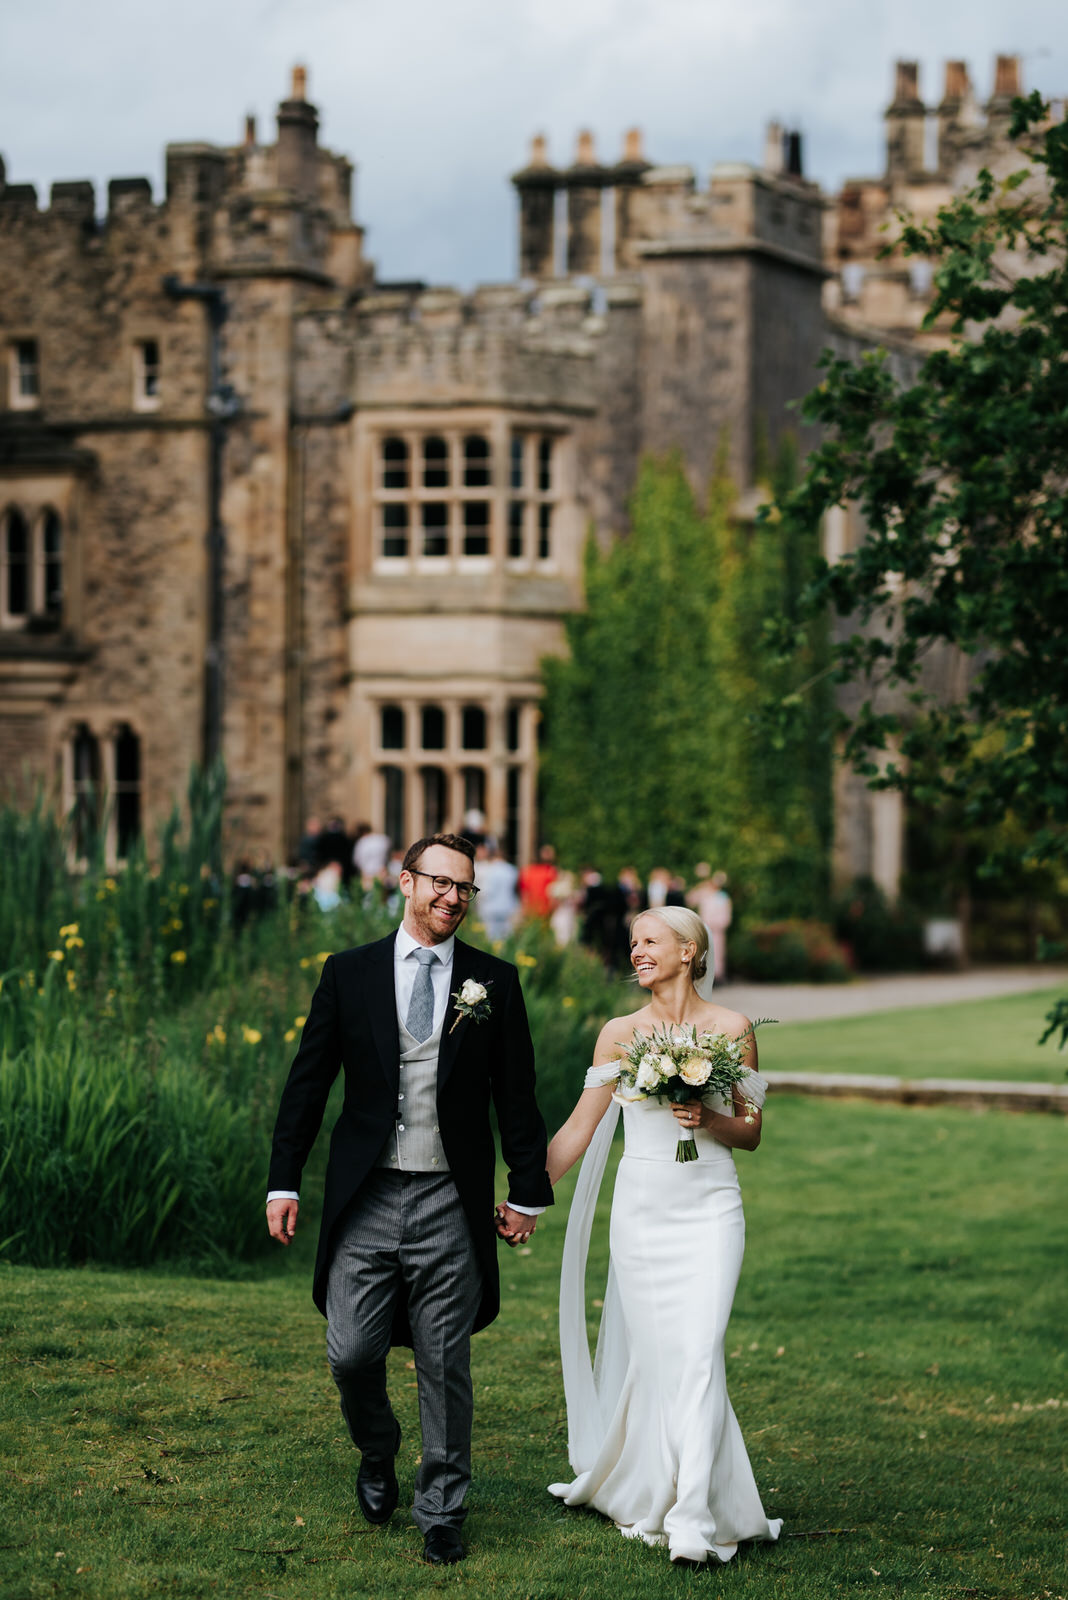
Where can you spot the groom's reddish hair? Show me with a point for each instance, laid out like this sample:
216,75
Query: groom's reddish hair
451,841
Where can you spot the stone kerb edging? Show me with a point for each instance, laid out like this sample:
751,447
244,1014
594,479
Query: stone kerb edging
968,1093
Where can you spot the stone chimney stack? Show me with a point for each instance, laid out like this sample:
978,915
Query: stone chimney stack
626,177
1008,85
584,181
298,135
775,148
1007,81
536,186
250,132
906,122
954,113
794,158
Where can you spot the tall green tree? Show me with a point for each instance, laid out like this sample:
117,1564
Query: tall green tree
961,476
650,757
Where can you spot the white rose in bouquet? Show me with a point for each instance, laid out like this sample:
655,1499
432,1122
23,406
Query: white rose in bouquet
695,1070
649,1074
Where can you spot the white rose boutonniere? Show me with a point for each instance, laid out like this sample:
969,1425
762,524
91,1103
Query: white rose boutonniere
471,1000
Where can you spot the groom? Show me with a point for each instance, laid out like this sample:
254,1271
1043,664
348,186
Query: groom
427,1030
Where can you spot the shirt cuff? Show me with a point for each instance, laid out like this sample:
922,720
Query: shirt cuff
527,1211
282,1194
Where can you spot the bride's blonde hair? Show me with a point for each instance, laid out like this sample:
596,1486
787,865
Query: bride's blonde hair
687,928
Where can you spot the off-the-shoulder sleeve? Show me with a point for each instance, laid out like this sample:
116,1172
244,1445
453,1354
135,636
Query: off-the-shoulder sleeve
598,1077
755,1088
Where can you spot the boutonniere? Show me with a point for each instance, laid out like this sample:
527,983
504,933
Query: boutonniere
471,1001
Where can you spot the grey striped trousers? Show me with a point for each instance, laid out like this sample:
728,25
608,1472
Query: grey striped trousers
406,1235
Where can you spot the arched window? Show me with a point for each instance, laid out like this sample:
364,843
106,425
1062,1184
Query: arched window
393,801
85,772
394,463
545,465
474,781
476,528
435,462
52,563
434,791
394,529
391,728
473,734
435,527
545,532
17,572
433,728
476,461
127,795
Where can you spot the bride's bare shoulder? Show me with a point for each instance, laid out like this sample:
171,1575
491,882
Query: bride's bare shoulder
617,1031
723,1020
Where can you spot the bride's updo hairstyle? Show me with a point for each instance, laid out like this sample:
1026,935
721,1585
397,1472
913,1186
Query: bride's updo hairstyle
688,928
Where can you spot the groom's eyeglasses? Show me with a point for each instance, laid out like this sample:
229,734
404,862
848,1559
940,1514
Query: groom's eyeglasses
465,891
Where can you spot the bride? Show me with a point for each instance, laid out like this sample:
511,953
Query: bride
651,1432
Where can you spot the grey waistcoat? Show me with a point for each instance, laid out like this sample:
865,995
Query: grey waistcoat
415,1143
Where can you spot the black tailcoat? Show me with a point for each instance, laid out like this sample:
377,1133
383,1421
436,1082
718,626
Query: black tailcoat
352,1025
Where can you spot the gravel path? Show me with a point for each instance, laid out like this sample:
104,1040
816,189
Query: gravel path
805,1002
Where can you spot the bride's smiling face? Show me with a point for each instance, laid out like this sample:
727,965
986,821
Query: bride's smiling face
655,953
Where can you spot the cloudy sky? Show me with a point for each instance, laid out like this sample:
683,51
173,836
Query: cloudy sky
435,100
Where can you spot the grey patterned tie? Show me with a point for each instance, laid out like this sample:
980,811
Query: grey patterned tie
420,1018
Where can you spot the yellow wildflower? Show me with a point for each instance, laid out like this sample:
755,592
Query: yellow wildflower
250,1035
324,955
74,943
523,960
217,1034
568,1000
69,931
305,961
72,982
209,904
55,955
110,885
289,1035
179,957
183,888
298,1022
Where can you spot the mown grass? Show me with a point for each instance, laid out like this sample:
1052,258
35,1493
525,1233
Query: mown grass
896,1358
995,1038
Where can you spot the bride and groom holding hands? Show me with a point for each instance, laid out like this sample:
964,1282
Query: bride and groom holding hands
428,1031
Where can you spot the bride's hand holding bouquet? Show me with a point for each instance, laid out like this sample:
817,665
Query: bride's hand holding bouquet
681,1065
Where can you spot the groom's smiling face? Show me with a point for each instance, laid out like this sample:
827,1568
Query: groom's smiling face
429,916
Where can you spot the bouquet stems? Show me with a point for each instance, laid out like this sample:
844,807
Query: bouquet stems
686,1149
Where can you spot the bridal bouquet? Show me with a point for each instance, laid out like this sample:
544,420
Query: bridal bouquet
679,1064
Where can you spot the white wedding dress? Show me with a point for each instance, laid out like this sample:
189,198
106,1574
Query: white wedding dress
651,1432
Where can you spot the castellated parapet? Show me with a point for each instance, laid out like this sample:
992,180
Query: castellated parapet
259,502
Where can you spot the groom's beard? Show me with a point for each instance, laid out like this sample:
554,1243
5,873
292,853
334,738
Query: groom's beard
436,920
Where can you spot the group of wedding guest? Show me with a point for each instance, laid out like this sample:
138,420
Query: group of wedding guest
584,905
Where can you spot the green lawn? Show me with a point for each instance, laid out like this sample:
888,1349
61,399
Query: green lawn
975,1039
897,1361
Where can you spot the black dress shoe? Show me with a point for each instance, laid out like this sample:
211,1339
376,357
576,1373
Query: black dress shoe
376,1488
441,1546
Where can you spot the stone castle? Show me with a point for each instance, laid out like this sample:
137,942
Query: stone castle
256,502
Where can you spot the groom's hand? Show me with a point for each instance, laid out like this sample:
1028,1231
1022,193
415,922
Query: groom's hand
514,1227
282,1219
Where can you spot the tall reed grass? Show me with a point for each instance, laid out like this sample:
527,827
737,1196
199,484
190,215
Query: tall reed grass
144,1038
